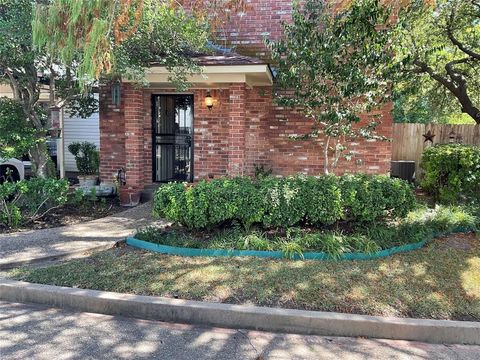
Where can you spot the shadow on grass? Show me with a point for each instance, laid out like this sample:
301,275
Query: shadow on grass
435,282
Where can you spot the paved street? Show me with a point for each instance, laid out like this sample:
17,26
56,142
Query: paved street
35,332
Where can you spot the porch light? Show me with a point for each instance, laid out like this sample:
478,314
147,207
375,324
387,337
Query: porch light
116,93
209,101
55,132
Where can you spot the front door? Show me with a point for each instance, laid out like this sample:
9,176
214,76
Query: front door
172,138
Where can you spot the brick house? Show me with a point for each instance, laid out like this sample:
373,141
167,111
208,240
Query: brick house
156,134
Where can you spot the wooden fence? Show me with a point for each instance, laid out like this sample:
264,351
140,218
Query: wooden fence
409,140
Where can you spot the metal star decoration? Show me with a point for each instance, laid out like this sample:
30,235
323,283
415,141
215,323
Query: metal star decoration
429,136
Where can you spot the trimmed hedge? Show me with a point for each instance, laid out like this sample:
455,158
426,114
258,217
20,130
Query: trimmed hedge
284,202
451,171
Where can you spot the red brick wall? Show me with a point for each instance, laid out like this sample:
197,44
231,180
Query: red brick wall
268,142
112,135
210,137
296,156
247,33
243,129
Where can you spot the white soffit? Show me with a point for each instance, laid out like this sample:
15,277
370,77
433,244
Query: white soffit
252,75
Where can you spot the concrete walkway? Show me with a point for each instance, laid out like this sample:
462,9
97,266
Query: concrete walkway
69,241
37,332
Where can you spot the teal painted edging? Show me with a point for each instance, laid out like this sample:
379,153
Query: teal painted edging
172,250
180,251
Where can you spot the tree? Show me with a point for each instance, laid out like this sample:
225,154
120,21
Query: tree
330,64
419,99
66,46
119,38
440,45
16,136
19,70
29,70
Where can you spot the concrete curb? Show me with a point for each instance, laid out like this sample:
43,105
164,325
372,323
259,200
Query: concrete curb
60,256
244,317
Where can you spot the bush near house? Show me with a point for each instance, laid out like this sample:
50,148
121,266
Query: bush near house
284,202
419,225
28,200
86,156
451,172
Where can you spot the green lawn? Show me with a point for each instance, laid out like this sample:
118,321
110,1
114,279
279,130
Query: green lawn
441,281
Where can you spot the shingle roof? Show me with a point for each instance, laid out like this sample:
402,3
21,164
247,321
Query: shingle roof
225,58
219,56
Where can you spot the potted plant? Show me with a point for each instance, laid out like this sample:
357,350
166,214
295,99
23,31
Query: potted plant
87,158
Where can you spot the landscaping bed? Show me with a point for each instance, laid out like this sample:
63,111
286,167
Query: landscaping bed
342,240
39,203
72,213
440,281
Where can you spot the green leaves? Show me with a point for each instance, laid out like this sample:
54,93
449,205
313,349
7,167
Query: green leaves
331,65
15,33
427,42
284,202
451,172
17,136
86,156
28,200
119,38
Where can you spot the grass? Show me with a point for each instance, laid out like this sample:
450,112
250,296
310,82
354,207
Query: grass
441,281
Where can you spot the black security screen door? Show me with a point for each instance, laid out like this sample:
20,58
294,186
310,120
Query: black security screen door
172,138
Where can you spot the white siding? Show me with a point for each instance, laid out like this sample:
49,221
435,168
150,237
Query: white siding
78,129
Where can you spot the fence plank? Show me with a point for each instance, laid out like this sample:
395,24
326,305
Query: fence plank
408,142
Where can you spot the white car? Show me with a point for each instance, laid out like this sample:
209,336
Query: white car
15,168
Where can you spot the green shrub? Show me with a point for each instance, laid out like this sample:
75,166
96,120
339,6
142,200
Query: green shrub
451,171
444,219
29,200
86,156
284,202
420,224
17,135
366,198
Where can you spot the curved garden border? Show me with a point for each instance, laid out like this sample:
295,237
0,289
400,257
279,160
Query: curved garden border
191,252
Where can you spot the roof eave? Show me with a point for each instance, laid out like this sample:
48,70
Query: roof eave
251,74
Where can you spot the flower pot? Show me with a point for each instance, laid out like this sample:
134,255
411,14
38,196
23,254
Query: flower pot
87,180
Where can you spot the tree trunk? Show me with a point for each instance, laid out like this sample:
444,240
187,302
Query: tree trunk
326,164
41,162
470,109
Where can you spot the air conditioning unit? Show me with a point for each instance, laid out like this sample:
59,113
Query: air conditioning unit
403,169
13,169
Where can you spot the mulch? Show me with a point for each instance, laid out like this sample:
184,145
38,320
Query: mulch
71,214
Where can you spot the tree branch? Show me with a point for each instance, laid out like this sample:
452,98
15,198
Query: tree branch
457,42
423,67
455,74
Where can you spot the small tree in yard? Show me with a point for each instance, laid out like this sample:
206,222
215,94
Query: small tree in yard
29,70
330,66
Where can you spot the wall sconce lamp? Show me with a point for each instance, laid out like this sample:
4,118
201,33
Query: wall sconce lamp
209,101
55,132
116,93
